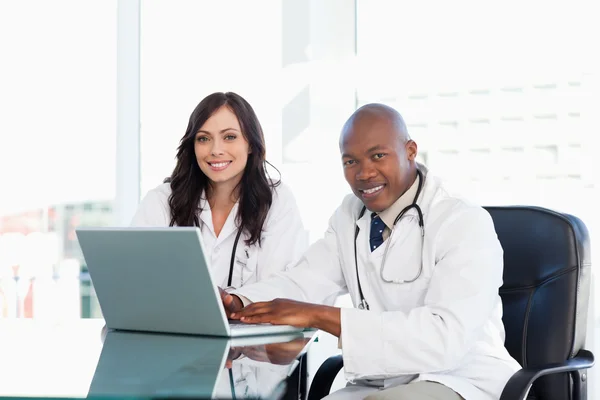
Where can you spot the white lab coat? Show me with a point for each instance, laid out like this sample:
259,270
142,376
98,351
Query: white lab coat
284,238
445,327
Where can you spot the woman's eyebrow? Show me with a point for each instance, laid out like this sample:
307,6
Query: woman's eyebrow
221,131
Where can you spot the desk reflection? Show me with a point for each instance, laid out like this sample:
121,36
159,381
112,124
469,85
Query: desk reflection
156,365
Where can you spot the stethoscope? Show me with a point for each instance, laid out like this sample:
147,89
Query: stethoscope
235,243
363,305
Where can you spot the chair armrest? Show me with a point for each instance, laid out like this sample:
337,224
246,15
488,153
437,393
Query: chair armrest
321,383
519,384
516,388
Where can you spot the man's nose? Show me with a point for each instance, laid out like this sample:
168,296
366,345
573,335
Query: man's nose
366,172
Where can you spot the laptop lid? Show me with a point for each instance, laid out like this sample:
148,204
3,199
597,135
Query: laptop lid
153,279
158,280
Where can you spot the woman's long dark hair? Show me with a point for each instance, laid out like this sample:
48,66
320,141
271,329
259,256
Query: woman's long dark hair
188,181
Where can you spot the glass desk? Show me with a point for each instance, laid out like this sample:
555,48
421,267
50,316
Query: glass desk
79,359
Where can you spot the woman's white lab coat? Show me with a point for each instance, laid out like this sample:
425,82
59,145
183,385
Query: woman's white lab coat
445,326
283,242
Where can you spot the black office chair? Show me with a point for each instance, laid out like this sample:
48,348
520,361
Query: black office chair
547,276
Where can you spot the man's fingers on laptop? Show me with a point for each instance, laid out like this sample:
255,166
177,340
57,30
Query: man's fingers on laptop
253,309
278,312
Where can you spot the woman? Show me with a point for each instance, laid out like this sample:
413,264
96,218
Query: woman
251,226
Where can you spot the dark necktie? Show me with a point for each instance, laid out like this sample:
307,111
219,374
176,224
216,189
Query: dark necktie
377,228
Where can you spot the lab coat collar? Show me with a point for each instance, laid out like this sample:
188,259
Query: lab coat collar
430,186
206,217
389,215
364,222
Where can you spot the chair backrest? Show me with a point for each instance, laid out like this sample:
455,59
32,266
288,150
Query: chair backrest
547,274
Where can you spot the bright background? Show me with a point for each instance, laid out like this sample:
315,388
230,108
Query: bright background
95,95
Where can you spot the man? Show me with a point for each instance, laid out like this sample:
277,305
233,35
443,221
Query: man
428,318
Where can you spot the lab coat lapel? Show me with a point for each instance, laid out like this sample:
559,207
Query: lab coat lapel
230,226
367,260
206,218
362,244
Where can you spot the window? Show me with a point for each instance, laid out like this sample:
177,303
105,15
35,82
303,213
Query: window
524,111
57,148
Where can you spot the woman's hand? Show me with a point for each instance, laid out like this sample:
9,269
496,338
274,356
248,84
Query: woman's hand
231,302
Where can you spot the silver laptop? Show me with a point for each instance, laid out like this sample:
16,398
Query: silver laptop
158,280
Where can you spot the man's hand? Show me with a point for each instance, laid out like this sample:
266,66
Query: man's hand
231,302
290,312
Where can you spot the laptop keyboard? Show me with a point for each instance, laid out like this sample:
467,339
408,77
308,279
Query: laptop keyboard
235,323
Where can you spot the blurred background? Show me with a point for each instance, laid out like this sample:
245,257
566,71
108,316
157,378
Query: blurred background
95,95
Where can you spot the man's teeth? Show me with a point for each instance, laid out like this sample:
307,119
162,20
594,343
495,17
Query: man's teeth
220,165
373,190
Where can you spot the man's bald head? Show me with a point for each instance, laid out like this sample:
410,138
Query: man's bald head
378,155
376,114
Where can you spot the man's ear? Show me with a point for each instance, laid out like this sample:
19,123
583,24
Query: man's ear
411,150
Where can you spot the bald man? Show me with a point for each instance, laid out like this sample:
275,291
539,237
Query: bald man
423,268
